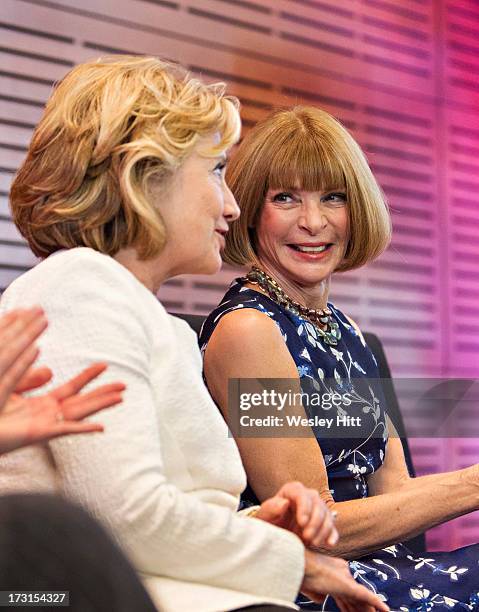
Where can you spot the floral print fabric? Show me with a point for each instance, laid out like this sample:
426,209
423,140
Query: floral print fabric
407,582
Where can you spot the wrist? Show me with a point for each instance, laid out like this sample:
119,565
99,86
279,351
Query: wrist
467,481
469,477
310,564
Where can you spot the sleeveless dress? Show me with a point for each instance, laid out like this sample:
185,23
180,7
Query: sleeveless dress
405,581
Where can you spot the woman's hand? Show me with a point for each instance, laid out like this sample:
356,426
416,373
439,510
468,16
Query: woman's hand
18,331
300,510
28,420
326,575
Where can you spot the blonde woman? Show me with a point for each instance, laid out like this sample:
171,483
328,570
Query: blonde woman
310,207
122,188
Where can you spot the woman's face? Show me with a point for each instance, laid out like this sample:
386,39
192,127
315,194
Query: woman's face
196,208
302,235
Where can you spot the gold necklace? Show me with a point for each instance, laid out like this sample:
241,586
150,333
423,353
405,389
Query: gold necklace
321,318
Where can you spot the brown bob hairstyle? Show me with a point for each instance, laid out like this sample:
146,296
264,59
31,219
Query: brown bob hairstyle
109,128
305,147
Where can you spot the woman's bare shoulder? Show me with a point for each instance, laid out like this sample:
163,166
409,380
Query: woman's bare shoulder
249,341
246,321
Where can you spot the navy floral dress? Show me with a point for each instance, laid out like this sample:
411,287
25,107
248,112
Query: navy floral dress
405,581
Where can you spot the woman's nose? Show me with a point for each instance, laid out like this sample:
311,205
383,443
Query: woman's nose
231,210
313,219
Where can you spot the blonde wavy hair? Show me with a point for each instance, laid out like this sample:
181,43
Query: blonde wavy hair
109,128
306,147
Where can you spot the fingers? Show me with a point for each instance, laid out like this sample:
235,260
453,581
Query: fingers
352,607
324,574
77,383
358,607
7,318
15,373
343,605
301,497
114,386
83,406
321,530
34,379
312,515
305,505
18,332
314,533
273,509
68,428
360,597
370,600
77,399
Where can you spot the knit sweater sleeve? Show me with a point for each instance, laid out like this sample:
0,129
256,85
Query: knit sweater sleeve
120,474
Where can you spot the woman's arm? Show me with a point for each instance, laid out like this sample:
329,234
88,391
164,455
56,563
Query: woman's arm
247,344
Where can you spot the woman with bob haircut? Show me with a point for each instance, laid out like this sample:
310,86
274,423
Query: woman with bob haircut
122,188
310,207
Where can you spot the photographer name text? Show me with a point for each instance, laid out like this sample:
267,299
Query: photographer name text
298,421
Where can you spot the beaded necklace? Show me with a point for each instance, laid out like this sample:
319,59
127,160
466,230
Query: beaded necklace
321,318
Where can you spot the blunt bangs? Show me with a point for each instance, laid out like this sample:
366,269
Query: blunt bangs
302,161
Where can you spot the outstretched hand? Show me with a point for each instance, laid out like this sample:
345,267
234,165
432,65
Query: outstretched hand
28,420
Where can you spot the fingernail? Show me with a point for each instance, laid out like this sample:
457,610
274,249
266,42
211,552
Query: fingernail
334,514
333,539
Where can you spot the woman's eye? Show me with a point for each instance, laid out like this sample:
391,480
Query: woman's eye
219,168
337,197
283,197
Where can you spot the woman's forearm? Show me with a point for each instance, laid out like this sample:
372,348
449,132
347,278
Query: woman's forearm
368,524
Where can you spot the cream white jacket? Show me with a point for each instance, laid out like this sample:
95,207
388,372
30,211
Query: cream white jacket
164,477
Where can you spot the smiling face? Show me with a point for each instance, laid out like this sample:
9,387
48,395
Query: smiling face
301,236
196,208
306,152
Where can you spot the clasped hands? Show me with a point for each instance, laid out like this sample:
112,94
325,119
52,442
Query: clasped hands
302,511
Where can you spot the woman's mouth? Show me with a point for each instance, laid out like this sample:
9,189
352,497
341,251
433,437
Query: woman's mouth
311,252
312,249
222,235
